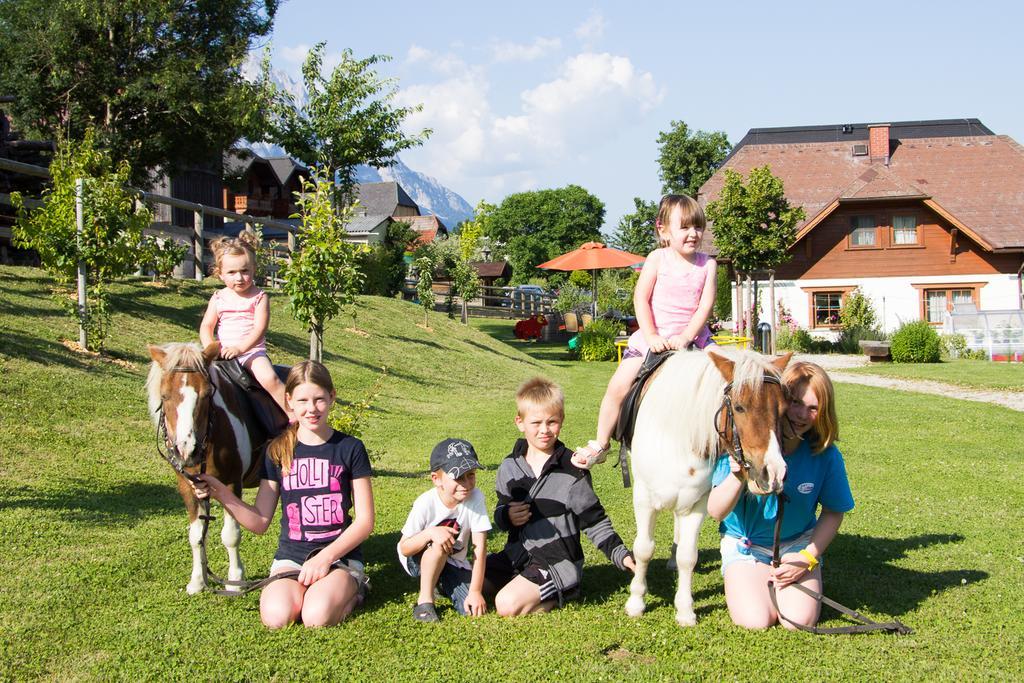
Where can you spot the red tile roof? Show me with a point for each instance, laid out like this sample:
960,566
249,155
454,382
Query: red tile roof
978,181
427,226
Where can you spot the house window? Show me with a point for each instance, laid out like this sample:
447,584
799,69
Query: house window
826,308
904,230
938,301
863,231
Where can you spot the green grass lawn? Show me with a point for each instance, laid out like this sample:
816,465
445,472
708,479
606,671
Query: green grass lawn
96,557
976,374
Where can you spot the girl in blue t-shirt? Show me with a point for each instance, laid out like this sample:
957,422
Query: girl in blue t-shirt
815,475
319,475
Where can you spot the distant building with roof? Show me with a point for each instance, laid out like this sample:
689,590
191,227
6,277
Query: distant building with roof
920,215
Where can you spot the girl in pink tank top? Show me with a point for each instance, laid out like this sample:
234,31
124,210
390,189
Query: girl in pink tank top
673,299
239,313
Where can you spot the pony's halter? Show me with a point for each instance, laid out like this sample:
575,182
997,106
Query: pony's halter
172,455
736,450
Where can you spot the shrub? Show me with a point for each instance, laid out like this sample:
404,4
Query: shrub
800,341
953,345
857,311
915,342
572,298
850,338
597,340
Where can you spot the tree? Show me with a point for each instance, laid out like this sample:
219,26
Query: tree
160,81
323,277
111,244
636,233
754,224
686,160
346,120
534,227
445,256
425,286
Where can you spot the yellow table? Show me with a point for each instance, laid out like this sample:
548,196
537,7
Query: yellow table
620,346
731,340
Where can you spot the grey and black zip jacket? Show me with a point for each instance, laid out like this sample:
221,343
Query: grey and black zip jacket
563,503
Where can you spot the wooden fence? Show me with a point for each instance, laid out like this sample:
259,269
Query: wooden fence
195,264
492,302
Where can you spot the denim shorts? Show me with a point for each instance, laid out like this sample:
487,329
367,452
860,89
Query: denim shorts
453,582
735,550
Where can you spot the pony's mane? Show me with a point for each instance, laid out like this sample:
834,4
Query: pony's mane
689,391
186,355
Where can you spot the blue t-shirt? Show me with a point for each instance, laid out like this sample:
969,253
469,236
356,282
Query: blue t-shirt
810,480
316,496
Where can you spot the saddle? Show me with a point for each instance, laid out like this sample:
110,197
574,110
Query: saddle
631,406
255,404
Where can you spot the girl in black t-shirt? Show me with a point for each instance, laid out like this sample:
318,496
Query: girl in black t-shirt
319,475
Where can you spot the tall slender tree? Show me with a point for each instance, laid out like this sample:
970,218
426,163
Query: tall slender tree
347,119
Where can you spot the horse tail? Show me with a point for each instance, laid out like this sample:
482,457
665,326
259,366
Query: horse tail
282,448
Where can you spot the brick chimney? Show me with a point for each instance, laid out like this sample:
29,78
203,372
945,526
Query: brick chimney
878,142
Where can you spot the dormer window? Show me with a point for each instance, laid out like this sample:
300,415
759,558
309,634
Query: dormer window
904,230
863,232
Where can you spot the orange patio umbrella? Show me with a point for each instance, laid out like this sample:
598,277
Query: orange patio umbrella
592,256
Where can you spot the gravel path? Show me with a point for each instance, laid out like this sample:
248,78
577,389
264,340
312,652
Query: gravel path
835,364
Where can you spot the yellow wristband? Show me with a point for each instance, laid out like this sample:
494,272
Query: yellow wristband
812,561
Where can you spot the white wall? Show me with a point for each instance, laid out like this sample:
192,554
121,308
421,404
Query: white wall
892,297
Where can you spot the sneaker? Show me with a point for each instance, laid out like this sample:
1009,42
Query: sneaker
424,612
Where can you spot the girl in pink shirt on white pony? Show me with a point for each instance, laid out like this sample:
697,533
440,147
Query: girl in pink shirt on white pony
240,312
673,299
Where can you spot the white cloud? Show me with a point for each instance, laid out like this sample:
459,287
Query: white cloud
592,97
592,29
504,51
445,64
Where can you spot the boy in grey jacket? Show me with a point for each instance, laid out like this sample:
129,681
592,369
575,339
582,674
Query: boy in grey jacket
544,501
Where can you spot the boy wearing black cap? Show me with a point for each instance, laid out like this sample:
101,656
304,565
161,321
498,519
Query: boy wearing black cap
436,535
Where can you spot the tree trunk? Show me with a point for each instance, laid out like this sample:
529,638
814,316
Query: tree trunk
316,343
465,311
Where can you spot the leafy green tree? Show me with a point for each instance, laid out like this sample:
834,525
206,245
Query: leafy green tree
347,119
636,233
160,81
425,286
323,277
687,159
534,227
111,244
754,224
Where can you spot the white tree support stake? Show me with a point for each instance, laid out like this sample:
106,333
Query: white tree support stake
80,225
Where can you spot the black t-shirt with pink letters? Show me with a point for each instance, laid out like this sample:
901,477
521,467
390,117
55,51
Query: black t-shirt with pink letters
316,496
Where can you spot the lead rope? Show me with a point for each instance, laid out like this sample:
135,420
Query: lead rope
866,625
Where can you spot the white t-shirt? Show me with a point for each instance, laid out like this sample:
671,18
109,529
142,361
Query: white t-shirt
428,510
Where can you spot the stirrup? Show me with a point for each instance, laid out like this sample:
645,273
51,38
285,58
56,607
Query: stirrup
595,454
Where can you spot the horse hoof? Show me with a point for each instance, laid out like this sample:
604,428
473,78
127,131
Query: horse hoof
686,619
194,587
635,607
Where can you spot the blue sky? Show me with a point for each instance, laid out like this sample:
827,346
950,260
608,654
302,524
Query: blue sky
531,95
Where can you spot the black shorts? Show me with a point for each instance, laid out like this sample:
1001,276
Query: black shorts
501,570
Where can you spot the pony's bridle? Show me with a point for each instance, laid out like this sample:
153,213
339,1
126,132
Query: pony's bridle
172,455
733,447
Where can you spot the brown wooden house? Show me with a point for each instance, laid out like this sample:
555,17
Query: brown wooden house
919,215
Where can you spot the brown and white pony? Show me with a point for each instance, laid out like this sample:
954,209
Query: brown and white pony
203,428
682,423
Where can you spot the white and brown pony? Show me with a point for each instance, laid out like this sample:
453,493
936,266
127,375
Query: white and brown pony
697,404
204,427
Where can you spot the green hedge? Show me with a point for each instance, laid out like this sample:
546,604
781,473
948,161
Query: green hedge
915,342
597,340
